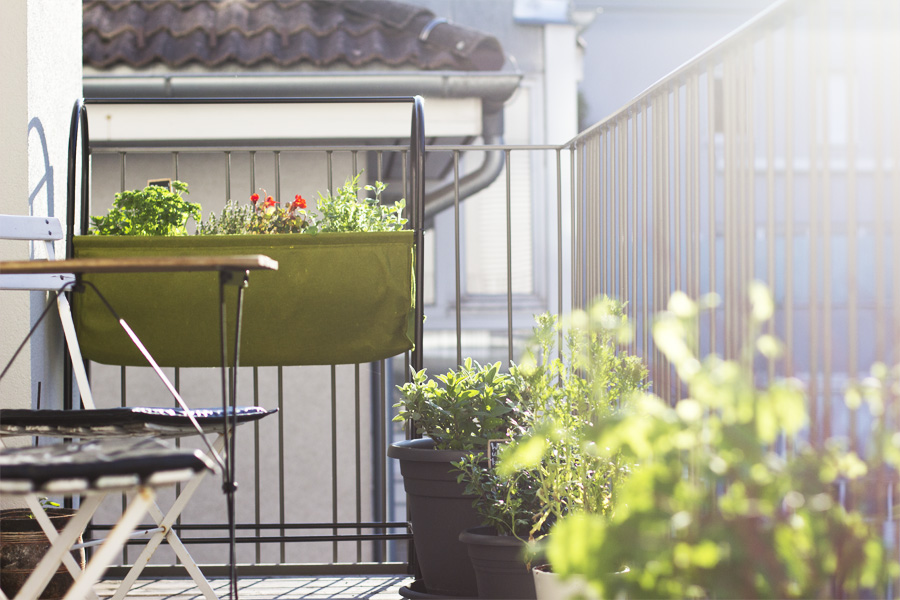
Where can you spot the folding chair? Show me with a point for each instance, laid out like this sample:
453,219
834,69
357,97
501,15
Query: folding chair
93,470
115,422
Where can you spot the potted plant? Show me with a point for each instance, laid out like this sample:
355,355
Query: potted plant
458,412
548,470
343,293
712,510
23,544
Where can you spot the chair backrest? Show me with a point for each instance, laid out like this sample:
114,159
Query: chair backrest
47,230
34,229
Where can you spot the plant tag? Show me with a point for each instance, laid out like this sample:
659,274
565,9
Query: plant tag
163,183
493,450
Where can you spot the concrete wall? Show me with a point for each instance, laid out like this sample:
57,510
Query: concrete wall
41,71
631,44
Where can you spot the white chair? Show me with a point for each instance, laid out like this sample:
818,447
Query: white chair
93,423
92,470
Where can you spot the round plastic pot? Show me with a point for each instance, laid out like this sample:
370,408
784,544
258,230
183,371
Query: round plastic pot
499,564
550,586
439,511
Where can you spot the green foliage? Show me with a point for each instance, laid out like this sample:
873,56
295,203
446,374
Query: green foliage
463,409
45,503
550,469
151,211
235,219
510,504
711,510
343,211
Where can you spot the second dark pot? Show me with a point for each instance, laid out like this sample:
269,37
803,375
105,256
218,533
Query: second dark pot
499,563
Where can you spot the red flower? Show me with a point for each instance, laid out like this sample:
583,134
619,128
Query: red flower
254,198
270,201
299,202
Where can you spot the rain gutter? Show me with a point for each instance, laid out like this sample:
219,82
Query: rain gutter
493,88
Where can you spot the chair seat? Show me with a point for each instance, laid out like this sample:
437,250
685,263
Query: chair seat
122,421
97,465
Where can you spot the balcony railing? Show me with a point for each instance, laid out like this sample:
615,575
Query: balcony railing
773,156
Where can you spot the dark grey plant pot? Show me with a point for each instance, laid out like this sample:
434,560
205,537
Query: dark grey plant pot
438,511
499,563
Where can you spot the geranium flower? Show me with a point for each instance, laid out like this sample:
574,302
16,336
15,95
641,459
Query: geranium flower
298,202
254,198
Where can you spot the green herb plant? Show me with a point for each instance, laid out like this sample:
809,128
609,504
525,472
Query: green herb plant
234,219
45,503
462,409
549,469
152,211
343,211
711,508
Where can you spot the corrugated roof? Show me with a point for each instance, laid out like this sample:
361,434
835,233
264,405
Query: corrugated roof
283,33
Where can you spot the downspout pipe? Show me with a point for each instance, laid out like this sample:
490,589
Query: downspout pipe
472,183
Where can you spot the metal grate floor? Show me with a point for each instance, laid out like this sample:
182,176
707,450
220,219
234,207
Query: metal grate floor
379,587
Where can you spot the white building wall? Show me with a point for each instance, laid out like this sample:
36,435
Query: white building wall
41,71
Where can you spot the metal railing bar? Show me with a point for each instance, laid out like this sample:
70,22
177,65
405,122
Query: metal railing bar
656,230
694,193
788,107
252,173
661,224
509,294
881,292
609,202
747,222
852,225
633,202
257,475
622,207
277,164
769,69
559,247
383,481
456,257
711,194
334,539
812,50
501,147
280,526
282,500
101,148
676,186
648,242
358,454
573,195
607,231
334,462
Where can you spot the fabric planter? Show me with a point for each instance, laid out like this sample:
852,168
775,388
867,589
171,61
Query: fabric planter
336,298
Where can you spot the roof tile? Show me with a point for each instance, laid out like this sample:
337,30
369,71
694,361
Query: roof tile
285,33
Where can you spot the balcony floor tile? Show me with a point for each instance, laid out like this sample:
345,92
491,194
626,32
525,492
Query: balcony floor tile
268,588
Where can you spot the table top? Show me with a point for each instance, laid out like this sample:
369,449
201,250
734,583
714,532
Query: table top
140,264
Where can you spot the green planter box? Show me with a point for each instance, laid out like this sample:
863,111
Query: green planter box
337,298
